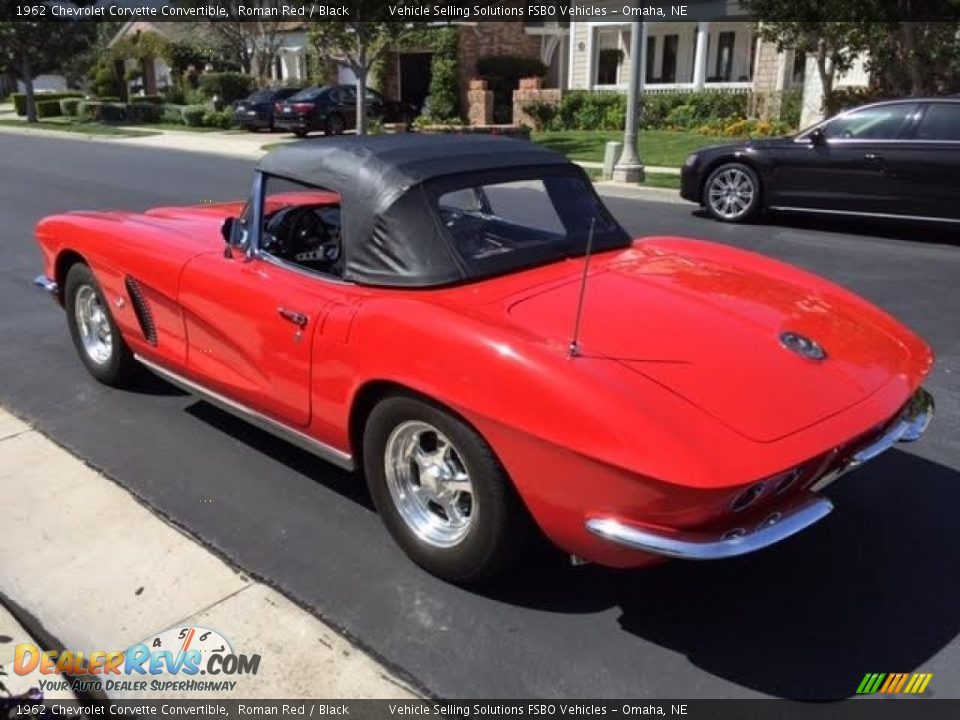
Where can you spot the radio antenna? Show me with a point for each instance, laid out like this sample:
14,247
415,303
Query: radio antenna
575,342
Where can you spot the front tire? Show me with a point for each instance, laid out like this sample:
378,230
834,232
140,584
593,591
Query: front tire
335,125
95,335
441,491
732,193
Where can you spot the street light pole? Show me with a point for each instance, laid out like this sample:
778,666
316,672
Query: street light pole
629,168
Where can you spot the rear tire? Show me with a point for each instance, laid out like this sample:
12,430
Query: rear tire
732,193
95,335
441,491
300,133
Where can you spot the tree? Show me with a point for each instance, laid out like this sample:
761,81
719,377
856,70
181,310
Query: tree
252,44
816,27
361,43
28,49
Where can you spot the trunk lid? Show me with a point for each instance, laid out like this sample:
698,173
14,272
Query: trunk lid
710,332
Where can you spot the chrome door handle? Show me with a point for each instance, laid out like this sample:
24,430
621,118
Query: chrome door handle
297,318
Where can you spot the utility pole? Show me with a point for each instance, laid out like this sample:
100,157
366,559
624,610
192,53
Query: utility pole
629,168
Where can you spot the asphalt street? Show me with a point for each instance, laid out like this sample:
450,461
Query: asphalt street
873,588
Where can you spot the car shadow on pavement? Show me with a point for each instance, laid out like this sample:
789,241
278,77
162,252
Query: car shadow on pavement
872,588
305,463
890,229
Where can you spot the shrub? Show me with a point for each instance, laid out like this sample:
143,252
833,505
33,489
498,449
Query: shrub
443,101
99,111
193,115
174,94
20,99
170,113
586,110
700,107
226,86
68,106
541,112
218,119
503,73
144,112
791,106
109,98
851,97
105,80
152,99
48,108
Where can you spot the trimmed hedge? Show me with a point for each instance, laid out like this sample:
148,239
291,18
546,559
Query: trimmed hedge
698,108
48,108
144,112
227,86
193,115
20,99
98,111
68,106
153,99
170,113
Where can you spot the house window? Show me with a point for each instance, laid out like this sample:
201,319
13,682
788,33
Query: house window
799,67
754,43
668,72
609,57
278,68
651,58
724,67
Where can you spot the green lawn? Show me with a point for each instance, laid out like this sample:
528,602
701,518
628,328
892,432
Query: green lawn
657,147
85,128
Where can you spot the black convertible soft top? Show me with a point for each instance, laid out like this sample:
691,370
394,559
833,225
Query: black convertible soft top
390,230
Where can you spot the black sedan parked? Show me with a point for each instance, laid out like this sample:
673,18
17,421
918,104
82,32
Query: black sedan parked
895,159
255,112
333,109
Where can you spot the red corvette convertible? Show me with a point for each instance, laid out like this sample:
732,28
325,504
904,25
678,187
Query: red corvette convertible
462,321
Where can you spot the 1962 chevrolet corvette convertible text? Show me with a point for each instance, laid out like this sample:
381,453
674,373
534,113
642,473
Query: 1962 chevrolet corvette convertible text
462,321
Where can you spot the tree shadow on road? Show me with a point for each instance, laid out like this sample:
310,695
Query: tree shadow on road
872,588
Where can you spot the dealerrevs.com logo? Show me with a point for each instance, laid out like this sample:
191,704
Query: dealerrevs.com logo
171,660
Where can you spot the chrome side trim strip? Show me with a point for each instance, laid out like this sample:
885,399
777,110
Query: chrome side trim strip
46,284
699,546
285,432
886,216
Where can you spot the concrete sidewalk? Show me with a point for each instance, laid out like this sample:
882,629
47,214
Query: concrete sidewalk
99,571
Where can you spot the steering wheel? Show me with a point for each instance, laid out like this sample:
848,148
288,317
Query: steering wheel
298,234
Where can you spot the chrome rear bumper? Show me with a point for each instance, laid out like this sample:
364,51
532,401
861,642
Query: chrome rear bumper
702,546
909,425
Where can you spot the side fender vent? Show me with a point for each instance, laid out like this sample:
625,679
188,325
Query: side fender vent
142,310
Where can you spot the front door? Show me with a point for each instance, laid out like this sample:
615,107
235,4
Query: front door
250,326
848,169
414,74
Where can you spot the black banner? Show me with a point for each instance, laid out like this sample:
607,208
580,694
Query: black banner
536,12
860,709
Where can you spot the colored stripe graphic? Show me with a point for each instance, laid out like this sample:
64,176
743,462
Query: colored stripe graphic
893,683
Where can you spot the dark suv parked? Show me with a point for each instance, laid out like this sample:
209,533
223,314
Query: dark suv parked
333,110
255,112
894,159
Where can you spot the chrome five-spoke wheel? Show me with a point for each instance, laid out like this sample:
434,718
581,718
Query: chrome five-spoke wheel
441,491
96,337
429,484
93,326
732,193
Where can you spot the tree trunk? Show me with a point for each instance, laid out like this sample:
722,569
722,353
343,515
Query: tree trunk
825,68
361,72
908,31
27,73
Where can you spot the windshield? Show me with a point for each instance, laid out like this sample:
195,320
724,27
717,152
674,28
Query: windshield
501,226
261,96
